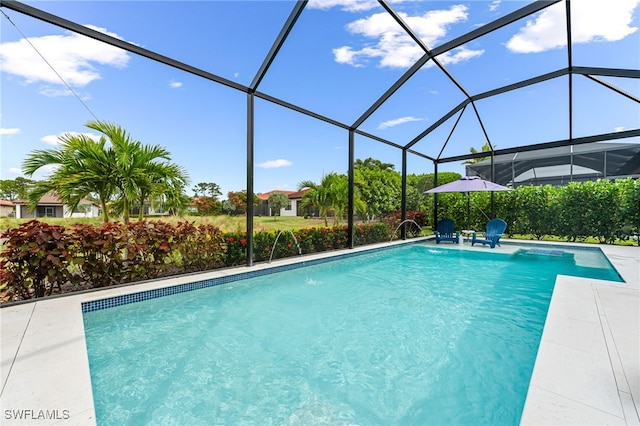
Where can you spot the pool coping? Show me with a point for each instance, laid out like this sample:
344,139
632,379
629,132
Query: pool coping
45,368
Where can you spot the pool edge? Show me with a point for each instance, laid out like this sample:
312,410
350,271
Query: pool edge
585,365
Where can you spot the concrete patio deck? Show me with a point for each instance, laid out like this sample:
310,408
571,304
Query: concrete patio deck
587,370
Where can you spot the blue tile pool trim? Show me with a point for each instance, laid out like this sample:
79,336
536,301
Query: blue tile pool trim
110,302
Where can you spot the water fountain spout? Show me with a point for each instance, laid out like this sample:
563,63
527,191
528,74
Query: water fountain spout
402,223
276,241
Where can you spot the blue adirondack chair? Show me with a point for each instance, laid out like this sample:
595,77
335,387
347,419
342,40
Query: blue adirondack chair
446,231
495,229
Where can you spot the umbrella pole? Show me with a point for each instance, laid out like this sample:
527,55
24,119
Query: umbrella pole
468,209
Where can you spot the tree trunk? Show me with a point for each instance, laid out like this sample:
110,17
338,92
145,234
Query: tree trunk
141,212
105,215
125,213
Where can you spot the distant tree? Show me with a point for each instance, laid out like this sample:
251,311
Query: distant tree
239,199
176,201
372,163
485,148
206,198
417,200
380,189
228,206
277,201
331,195
339,195
206,205
208,189
12,189
318,195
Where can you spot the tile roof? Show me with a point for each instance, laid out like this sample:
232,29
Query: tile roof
291,194
52,199
265,195
299,194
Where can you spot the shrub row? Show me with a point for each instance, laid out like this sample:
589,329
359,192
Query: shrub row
604,210
40,259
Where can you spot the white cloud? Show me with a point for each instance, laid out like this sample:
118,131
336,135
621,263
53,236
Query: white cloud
592,20
460,54
14,170
272,164
394,48
620,129
47,169
72,55
397,121
347,5
54,92
51,140
9,131
494,5
55,140
175,84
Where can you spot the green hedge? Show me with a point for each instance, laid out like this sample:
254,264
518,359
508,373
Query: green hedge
604,210
39,259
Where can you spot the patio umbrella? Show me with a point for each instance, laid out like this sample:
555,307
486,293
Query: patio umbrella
468,184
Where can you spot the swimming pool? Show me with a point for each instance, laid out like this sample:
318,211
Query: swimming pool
413,335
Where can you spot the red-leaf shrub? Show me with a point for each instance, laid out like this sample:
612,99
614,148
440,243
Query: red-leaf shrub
100,253
149,248
201,247
36,259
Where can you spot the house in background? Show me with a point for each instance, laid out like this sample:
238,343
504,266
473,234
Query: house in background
294,207
51,205
6,208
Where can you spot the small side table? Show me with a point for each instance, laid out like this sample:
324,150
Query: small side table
467,233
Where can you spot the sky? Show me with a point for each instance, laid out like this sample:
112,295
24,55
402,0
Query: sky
337,61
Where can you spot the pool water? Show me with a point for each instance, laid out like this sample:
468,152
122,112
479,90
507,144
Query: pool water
415,335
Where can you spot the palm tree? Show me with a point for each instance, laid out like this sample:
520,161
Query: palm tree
141,170
318,195
159,179
373,163
485,148
331,195
115,168
127,156
84,167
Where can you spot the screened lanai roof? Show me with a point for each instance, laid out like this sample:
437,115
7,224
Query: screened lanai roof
416,84
563,164
451,89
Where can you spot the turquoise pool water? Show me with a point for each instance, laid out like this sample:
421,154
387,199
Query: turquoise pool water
413,335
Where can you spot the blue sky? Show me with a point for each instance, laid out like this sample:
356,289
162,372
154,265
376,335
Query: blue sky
339,59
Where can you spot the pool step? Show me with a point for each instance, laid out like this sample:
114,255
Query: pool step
546,252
